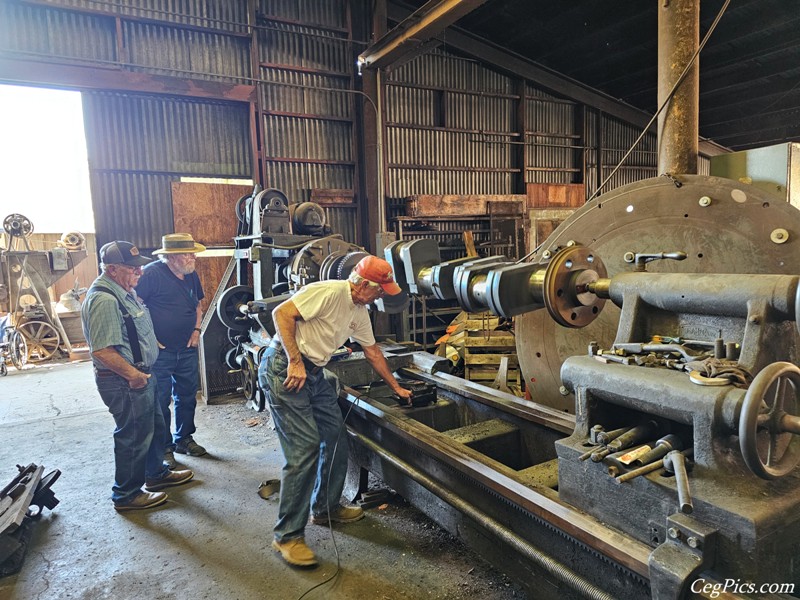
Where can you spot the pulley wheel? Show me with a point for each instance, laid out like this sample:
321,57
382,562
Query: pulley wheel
230,359
229,307
769,423
249,377
42,340
17,349
17,225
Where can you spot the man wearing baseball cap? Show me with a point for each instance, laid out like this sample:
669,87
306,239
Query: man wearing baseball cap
310,326
124,347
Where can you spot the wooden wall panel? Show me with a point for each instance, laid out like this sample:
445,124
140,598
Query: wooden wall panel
207,211
556,195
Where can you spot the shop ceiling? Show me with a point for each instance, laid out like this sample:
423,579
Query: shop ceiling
749,70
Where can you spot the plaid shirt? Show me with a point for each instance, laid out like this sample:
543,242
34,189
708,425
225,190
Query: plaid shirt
104,327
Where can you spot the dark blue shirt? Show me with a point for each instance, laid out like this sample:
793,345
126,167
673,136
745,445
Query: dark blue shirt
172,303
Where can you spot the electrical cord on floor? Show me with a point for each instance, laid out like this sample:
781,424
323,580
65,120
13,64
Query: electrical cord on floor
327,499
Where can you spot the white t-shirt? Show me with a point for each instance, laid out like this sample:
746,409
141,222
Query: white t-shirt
329,318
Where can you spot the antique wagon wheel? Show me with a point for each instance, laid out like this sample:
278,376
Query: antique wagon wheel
42,339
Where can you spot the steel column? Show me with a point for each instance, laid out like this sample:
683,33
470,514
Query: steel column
678,40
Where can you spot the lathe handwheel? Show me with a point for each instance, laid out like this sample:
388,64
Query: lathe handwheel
769,421
230,302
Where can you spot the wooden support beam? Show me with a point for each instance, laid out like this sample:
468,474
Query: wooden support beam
94,77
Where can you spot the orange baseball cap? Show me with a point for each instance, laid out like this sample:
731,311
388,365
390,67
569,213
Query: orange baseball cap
378,271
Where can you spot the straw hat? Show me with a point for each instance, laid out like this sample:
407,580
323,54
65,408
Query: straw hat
179,243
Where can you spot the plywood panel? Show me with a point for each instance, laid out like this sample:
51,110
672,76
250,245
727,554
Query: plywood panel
556,195
210,269
456,205
207,211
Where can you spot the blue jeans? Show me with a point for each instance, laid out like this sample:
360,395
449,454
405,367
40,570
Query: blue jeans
177,373
138,437
310,429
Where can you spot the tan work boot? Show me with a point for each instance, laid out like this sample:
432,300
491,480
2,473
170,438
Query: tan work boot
142,501
340,514
295,552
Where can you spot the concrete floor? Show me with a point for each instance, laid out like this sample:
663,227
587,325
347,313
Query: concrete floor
212,538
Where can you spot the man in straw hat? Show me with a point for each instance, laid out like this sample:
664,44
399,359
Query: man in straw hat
172,291
310,326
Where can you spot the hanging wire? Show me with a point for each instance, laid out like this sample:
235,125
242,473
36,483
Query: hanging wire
665,102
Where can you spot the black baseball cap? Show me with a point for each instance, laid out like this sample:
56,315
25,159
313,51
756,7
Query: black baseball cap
122,253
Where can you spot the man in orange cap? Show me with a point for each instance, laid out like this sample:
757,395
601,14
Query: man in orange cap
310,326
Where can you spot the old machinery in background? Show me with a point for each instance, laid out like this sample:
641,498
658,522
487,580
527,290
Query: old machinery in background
658,330
25,276
279,248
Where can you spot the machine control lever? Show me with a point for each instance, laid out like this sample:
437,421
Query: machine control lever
641,260
675,462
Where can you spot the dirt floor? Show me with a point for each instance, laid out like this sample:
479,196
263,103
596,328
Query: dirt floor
212,539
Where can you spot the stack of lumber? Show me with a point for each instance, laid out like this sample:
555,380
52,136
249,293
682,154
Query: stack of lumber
473,340
483,352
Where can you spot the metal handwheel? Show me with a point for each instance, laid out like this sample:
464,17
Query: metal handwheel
769,423
230,304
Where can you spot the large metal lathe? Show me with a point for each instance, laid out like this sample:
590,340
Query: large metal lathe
657,329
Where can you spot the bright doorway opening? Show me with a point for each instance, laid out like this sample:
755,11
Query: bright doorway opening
44,170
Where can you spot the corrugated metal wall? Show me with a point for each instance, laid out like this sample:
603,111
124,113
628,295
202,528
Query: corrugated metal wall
138,145
448,123
452,125
308,112
452,129
616,138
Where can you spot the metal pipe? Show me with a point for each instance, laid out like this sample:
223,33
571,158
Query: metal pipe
678,129
562,573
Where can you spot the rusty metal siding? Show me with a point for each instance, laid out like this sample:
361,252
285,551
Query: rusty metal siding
444,114
288,44
617,138
304,138
138,145
307,126
305,93
296,180
216,14
553,151
204,55
40,30
329,13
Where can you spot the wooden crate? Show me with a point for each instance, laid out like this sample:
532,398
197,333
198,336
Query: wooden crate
483,351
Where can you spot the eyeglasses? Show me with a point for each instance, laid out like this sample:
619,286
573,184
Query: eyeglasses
130,269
